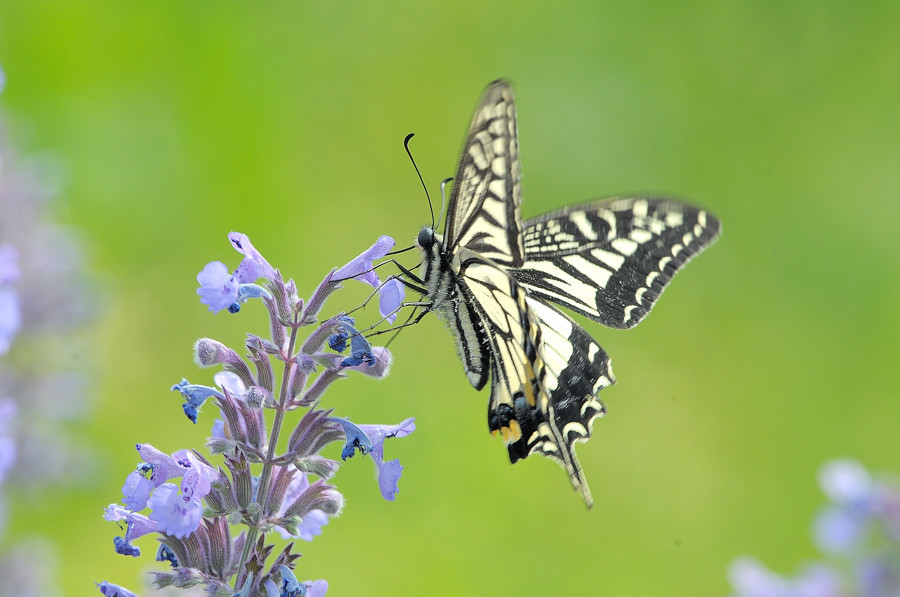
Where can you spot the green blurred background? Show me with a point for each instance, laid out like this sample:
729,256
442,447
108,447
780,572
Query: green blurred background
774,352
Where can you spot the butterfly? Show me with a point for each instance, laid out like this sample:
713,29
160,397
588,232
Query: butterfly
492,277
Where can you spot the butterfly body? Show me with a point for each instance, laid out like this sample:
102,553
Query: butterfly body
490,277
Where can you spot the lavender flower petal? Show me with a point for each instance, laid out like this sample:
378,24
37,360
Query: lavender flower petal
111,590
254,266
7,441
175,514
218,288
361,267
845,481
390,297
316,588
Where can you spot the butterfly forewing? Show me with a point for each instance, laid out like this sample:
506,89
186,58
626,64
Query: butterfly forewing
483,213
611,259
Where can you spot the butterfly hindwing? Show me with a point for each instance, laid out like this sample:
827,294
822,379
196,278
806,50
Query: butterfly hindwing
546,370
611,259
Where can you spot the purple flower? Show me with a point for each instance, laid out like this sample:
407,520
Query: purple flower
361,267
136,490
221,290
111,590
10,308
842,525
380,364
313,520
9,264
845,481
369,439
316,588
254,265
7,441
197,476
138,525
751,579
218,288
390,297
175,514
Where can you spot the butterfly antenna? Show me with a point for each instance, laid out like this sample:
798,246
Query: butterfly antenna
422,180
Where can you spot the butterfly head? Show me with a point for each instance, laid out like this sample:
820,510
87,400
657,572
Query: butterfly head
426,239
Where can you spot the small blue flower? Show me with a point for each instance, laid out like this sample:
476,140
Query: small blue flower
137,525
338,342
195,395
111,590
356,439
369,439
360,350
361,267
378,366
125,548
289,585
165,554
390,297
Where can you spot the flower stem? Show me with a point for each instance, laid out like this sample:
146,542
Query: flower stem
266,474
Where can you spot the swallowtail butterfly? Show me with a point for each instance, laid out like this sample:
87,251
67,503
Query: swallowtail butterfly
491,278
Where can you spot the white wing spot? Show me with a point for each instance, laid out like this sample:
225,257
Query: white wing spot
498,166
478,158
674,219
640,208
610,218
579,218
628,311
612,260
625,246
640,236
498,189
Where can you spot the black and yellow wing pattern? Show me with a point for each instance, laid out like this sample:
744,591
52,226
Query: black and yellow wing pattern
492,279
